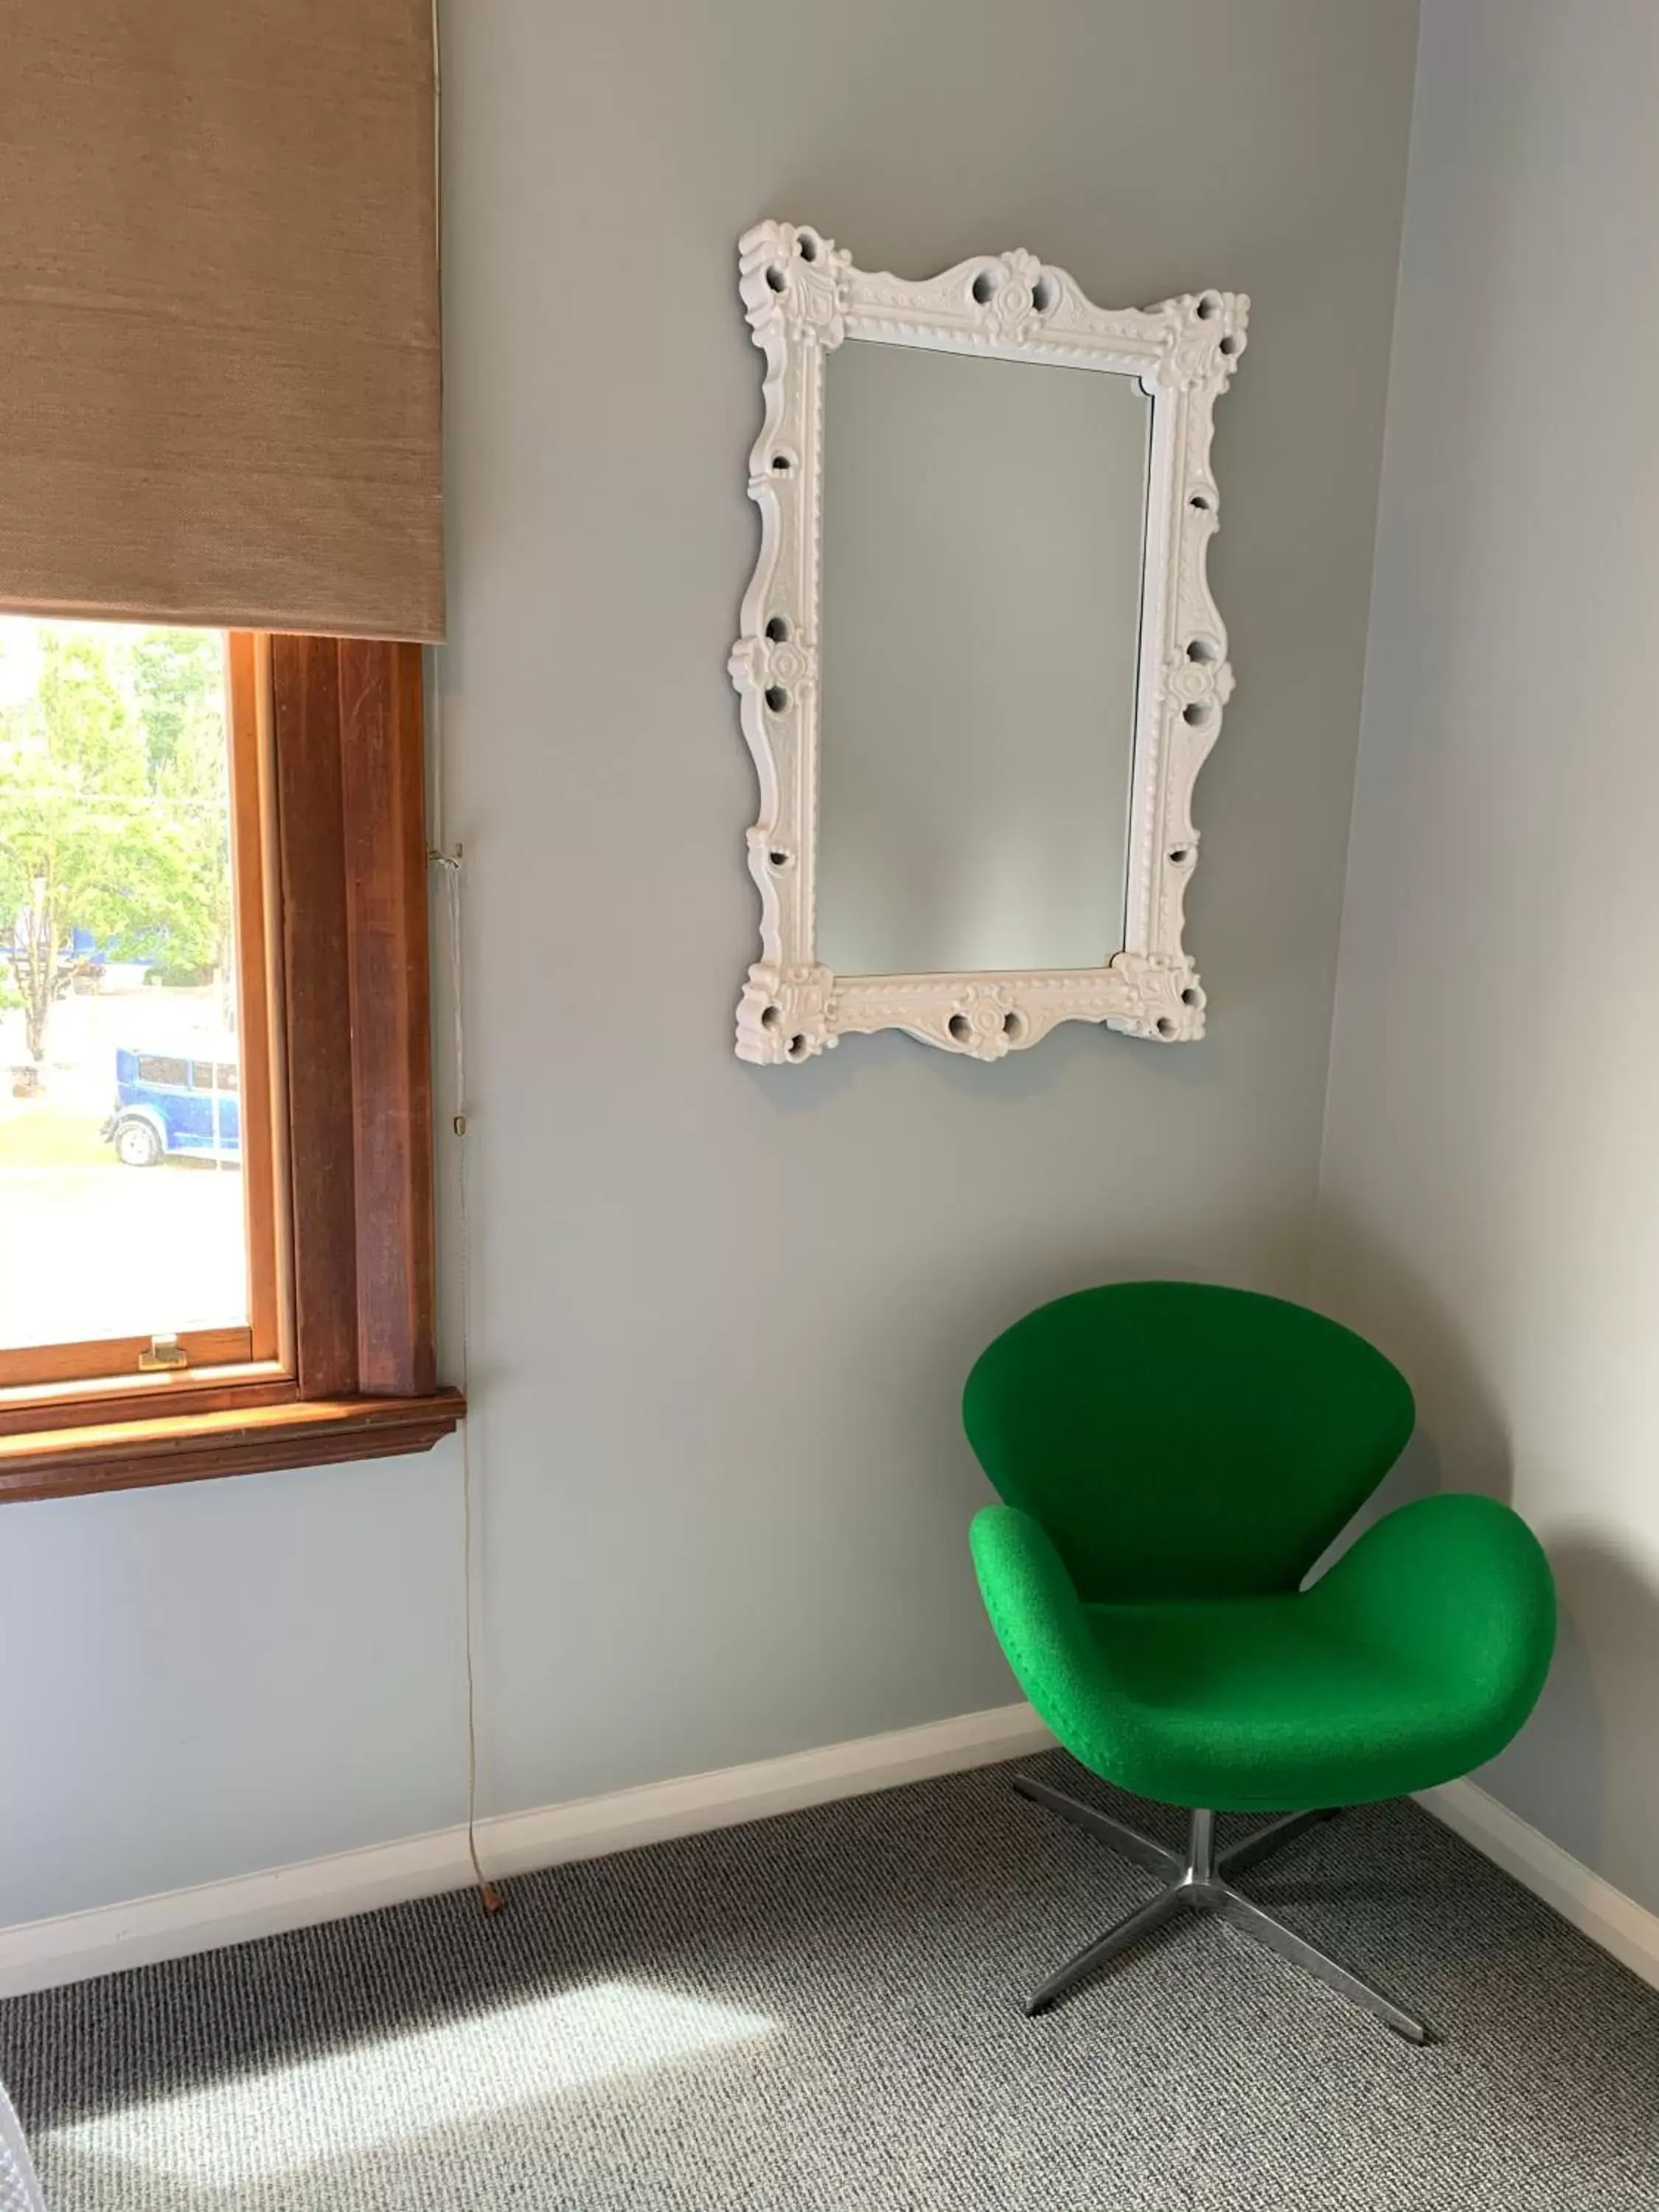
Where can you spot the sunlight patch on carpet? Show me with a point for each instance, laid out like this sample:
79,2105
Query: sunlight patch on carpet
343,2103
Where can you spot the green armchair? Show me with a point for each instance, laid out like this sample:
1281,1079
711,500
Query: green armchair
1174,1458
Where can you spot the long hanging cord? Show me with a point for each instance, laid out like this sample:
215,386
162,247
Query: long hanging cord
490,1894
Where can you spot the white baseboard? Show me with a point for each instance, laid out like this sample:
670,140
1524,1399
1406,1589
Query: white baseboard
1594,1906
39,1954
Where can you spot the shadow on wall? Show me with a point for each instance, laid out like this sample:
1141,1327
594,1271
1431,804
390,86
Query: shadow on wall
1069,1048
1555,1773
1415,1474
1362,1281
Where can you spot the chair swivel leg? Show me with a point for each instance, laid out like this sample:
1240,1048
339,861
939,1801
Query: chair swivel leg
1197,1883
1156,1857
1252,1921
1130,1930
1254,1849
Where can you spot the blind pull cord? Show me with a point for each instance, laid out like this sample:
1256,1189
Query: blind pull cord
449,864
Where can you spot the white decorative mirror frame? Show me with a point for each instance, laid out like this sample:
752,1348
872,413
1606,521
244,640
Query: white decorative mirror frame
802,298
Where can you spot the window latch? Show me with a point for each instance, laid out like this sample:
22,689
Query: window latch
164,1351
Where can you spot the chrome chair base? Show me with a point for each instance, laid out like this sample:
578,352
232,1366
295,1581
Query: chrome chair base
1196,1881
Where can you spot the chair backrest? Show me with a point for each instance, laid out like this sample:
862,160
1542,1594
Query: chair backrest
1185,1440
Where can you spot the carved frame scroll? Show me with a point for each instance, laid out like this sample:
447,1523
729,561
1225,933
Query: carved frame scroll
804,298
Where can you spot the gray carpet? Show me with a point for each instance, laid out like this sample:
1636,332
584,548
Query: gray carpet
820,2013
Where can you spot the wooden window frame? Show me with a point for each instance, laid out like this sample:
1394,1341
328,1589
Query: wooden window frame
336,1030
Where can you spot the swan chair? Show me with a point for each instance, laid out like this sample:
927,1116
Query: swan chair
1174,1458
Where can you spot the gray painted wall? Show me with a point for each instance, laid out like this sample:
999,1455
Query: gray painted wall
723,1314
1492,1174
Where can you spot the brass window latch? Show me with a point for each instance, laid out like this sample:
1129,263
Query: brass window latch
164,1351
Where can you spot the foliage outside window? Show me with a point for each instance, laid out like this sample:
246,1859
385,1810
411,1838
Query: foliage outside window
114,839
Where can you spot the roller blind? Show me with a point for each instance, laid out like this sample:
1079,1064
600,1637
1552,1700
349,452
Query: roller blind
219,346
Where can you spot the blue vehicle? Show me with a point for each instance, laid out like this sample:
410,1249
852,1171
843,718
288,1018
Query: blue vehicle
169,1105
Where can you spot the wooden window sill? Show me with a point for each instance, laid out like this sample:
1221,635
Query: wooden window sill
174,1447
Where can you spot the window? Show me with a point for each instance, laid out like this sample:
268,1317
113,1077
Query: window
134,1219
215,1207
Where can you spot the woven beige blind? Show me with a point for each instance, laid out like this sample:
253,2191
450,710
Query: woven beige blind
219,362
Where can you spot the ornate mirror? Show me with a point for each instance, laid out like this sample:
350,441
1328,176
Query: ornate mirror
980,665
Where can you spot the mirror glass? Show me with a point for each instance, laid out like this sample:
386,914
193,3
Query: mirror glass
983,527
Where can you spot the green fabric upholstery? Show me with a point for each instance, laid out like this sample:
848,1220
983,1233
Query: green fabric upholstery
1175,1457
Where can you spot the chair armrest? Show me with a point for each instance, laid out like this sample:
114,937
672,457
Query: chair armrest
1040,1624
1453,1584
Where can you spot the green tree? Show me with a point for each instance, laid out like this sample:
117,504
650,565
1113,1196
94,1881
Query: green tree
178,676
193,790
86,842
178,681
